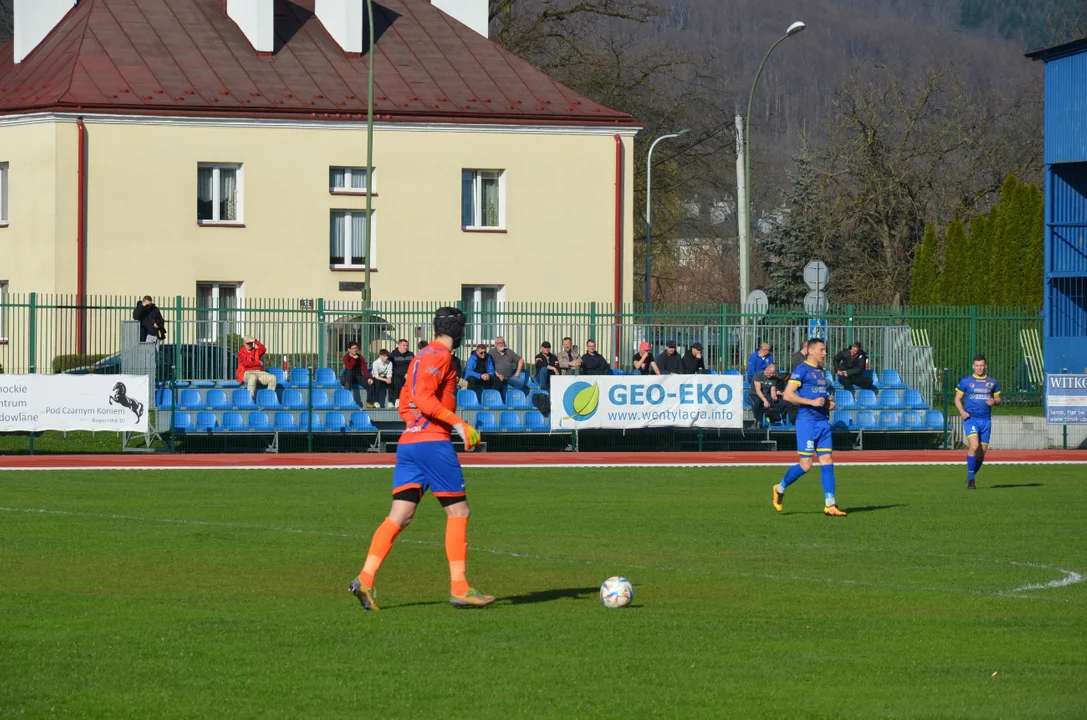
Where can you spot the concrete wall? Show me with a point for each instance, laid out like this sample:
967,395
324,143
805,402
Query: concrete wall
29,243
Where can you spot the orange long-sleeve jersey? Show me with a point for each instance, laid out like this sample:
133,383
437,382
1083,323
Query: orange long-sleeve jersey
430,392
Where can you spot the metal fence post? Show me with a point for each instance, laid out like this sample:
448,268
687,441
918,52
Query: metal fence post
321,349
947,401
32,348
175,368
973,331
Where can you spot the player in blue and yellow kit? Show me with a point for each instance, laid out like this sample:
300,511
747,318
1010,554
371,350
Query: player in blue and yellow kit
974,397
809,388
425,459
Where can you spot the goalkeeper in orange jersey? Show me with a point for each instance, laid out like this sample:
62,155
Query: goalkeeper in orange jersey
425,459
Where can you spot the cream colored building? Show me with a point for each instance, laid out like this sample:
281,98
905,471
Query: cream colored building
234,167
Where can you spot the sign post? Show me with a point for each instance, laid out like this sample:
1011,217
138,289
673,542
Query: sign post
816,277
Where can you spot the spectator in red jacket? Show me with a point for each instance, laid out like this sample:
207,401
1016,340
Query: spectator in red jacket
356,375
251,368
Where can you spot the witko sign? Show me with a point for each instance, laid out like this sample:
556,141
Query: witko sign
636,401
74,402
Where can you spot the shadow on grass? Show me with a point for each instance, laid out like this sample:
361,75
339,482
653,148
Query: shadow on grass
540,596
1020,485
871,508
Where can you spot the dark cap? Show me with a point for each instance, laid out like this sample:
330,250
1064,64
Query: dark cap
545,344
696,346
671,343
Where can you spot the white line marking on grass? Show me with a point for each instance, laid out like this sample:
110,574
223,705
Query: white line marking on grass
1070,578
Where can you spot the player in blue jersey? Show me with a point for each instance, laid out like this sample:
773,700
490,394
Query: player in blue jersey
975,397
809,389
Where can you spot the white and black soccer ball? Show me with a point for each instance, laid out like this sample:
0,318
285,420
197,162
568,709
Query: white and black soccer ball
616,592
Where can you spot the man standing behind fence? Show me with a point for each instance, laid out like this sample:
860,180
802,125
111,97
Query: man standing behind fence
401,357
152,324
251,368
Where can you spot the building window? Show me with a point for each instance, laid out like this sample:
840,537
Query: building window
218,194
483,199
347,239
483,304
351,181
3,193
218,311
3,310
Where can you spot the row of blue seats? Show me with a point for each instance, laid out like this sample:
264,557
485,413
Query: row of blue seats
888,420
886,400
240,399
283,421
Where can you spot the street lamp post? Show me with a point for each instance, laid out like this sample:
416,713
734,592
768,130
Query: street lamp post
367,295
745,181
649,218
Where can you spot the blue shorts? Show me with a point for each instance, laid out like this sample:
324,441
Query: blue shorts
982,427
428,466
813,437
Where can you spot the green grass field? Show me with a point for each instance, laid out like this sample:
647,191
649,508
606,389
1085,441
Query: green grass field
223,594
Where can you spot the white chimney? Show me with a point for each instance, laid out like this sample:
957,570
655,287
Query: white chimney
473,13
255,18
34,19
343,20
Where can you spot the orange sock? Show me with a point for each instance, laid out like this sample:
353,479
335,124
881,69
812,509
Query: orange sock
379,548
456,549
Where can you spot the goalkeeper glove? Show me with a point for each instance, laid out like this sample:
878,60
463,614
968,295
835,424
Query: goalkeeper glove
468,434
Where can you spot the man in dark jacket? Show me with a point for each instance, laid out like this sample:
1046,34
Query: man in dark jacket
849,366
547,365
150,319
692,361
401,358
592,362
480,372
670,362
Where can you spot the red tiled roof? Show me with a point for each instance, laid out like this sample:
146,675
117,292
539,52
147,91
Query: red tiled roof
185,57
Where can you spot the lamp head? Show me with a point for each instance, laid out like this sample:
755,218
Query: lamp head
795,28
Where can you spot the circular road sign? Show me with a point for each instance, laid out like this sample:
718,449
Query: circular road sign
757,303
816,274
815,302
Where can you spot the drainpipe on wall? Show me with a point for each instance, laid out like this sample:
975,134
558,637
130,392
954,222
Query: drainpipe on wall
81,241
618,243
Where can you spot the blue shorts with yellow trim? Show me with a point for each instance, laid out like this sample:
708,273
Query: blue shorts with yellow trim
813,437
982,427
428,466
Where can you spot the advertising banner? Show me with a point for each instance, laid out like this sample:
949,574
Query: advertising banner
74,402
1066,399
651,401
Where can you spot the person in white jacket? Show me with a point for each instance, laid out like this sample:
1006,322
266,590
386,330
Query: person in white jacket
382,372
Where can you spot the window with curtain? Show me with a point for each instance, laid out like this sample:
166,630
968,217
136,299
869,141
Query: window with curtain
347,239
483,199
348,180
218,193
3,192
483,304
218,314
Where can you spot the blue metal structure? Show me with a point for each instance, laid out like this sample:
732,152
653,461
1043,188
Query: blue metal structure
1065,308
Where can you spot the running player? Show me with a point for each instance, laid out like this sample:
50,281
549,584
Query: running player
425,459
808,388
981,392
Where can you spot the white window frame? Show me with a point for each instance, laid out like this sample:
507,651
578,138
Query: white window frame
474,330
3,193
347,189
240,175
347,236
477,192
213,320
3,310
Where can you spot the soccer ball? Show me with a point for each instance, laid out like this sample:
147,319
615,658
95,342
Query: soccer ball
616,592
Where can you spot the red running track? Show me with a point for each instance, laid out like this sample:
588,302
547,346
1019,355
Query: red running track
357,460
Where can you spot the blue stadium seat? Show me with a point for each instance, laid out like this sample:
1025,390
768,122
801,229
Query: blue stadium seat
747,400
242,400
344,400
206,421
711,372
314,421
516,400
874,377
536,422
731,372
616,371
319,400
216,400
267,400
842,419
510,421
182,421
492,400
867,400
229,384
866,420
467,400
299,377
360,422
190,399
233,422
203,384
293,400
534,393
889,420
258,422
892,380
164,399
934,420
912,420
280,376
285,422
335,422
485,422
326,378
890,400
913,399
843,400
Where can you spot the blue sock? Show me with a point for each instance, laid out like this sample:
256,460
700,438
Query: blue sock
971,466
827,476
791,475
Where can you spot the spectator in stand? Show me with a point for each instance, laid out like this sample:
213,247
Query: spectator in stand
849,366
767,395
670,362
383,379
480,372
692,361
592,362
401,357
758,361
798,357
644,362
508,367
152,324
355,375
251,368
547,364
569,361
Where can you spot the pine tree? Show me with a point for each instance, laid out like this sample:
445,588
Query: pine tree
1005,253
955,275
795,240
977,279
925,272
1034,259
